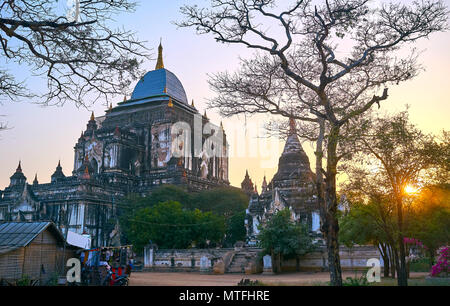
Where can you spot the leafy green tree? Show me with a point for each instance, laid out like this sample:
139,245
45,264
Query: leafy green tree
209,229
128,207
426,218
235,229
392,156
171,227
169,193
283,238
400,152
224,201
228,202
371,223
429,220
222,209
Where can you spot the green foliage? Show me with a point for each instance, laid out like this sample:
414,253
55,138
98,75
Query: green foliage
170,193
356,281
159,195
53,281
25,280
224,207
248,282
429,217
170,226
229,203
282,236
420,265
235,229
209,227
222,201
366,223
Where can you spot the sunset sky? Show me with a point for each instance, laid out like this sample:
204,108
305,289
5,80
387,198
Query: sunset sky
40,136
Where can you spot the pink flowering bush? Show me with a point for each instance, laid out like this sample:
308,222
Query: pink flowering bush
440,269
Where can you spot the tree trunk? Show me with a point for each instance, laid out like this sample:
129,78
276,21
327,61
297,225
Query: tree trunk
391,254
274,263
384,254
392,258
386,266
431,253
279,262
402,273
334,261
319,179
332,224
408,266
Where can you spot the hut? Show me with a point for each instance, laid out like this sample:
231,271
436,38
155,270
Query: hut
32,250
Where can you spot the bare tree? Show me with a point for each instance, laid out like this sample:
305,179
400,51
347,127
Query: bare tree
77,51
336,88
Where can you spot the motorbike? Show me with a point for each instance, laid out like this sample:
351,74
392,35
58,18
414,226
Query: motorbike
121,280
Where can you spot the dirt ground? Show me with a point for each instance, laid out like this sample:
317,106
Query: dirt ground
197,279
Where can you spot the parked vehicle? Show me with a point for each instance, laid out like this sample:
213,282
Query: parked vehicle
113,279
106,266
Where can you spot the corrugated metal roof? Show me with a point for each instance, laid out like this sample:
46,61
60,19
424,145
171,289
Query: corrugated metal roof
14,235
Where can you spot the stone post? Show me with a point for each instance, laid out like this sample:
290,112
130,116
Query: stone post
205,265
148,257
267,260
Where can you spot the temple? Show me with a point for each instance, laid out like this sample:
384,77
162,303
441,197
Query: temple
130,149
292,187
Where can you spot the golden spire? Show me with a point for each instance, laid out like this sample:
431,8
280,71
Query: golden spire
192,103
170,104
124,98
165,89
110,107
92,116
160,63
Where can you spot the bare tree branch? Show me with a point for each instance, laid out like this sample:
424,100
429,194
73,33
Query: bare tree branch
83,60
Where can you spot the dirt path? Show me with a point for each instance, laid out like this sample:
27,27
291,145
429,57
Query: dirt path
197,279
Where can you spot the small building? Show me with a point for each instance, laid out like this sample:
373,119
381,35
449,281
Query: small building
32,249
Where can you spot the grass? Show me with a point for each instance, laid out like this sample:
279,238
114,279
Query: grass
360,281
413,282
384,282
357,279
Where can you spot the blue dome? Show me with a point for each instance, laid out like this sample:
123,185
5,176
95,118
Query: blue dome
154,82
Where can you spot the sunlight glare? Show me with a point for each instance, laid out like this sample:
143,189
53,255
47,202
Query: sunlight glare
411,189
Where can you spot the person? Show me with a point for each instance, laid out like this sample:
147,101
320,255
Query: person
129,267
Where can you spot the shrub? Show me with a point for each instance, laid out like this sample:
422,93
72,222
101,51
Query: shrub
355,281
25,281
440,269
249,282
420,265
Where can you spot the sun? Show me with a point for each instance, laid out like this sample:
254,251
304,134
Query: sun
411,189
